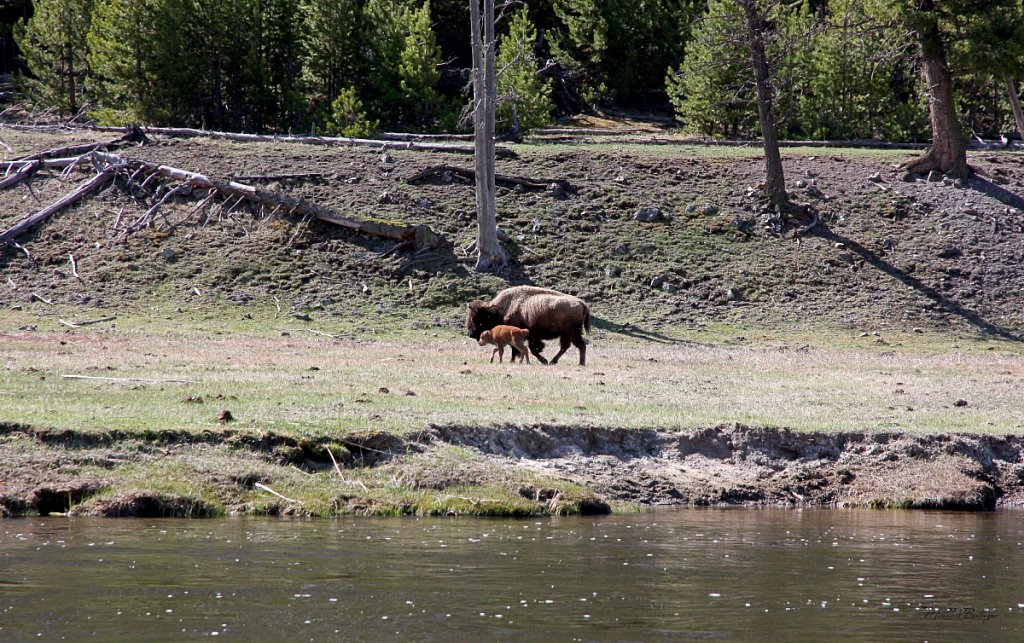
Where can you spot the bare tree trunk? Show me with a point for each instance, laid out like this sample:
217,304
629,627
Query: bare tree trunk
775,181
1018,113
490,255
948,153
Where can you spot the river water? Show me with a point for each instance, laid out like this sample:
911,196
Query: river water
741,574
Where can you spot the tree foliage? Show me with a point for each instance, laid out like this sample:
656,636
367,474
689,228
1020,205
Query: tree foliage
840,68
524,98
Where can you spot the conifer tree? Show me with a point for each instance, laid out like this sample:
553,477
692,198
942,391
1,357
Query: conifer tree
333,50
524,98
55,49
121,57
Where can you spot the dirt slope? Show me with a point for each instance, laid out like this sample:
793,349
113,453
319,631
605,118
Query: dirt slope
888,254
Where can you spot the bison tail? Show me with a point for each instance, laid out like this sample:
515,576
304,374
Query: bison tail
586,321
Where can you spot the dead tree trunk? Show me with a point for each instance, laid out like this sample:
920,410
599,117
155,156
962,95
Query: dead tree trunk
948,153
775,181
70,198
1018,113
490,255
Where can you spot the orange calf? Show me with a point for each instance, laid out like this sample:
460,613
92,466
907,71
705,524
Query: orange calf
502,336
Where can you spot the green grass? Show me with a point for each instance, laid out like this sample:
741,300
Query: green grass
405,380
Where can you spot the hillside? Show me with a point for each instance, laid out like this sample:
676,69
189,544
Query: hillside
889,254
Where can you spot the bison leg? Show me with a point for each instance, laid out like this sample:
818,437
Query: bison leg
581,345
564,344
536,346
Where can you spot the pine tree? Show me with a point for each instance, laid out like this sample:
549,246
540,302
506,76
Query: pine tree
120,57
333,50
524,99
711,90
55,50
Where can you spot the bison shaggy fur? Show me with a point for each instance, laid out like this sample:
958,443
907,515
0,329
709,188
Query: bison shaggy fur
547,314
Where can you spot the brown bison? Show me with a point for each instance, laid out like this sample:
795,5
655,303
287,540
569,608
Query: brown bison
545,313
502,336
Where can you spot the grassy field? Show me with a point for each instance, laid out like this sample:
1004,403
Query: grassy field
180,371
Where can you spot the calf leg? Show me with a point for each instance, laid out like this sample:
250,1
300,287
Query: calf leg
496,349
524,353
564,346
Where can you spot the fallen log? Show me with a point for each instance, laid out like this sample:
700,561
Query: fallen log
421,235
134,135
25,171
105,175
469,174
186,132
404,136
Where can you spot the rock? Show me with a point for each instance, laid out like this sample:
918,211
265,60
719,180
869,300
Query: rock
536,225
690,209
386,158
302,317
424,203
556,190
650,214
168,255
669,288
935,176
225,417
622,249
960,403
710,210
949,252
502,235
619,179
659,280
876,178
446,176
812,190
800,183
734,294
385,198
612,271
888,244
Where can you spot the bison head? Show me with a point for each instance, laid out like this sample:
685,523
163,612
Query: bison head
480,318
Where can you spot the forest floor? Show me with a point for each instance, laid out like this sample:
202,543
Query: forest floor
875,361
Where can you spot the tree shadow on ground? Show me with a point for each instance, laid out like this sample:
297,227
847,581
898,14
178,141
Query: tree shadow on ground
993,191
971,317
630,330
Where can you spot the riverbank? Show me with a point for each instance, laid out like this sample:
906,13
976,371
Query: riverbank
508,471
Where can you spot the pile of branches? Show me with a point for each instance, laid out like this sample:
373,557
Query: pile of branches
156,185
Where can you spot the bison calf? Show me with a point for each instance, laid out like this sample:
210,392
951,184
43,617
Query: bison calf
502,336
547,314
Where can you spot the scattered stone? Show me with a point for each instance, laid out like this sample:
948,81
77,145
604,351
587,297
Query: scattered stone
168,255
691,208
385,198
876,178
193,399
949,252
800,183
536,225
620,179
612,271
960,403
659,280
503,235
302,317
812,190
556,190
733,294
710,210
650,214
935,176
669,288
622,249
383,390
424,203
386,158
225,417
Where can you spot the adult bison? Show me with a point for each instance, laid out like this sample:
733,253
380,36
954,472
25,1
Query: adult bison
545,313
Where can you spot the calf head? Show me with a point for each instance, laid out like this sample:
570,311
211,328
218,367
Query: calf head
485,338
480,317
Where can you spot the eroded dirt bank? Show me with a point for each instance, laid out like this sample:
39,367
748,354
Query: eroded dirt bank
551,469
